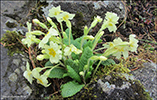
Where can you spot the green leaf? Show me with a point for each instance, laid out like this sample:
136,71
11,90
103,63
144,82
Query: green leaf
88,75
67,32
89,43
72,73
108,62
87,53
57,73
48,63
72,64
74,42
70,88
100,40
75,56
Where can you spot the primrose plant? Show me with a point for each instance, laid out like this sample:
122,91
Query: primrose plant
69,57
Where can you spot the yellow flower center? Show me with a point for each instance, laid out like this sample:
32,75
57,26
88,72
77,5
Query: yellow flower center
66,17
110,19
119,49
52,52
47,33
132,44
110,24
40,81
56,13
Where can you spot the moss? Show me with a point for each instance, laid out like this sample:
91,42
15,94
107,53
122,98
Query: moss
80,23
11,25
11,41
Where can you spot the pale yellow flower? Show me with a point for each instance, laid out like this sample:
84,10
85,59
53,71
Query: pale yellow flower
54,52
112,17
30,39
41,79
65,16
69,50
51,32
28,73
133,43
109,22
96,20
55,11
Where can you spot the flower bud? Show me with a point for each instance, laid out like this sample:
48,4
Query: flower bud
81,73
85,67
40,57
85,30
90,37
36,21
102,58
43,51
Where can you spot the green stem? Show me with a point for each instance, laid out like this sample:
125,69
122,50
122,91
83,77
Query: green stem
84,80
62,39
61,63
99,49
82,42
96,68
69,34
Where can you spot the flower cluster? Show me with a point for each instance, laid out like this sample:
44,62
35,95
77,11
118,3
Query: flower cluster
69,57
118,47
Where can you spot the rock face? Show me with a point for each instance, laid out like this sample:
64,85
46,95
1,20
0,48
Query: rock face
85,11
14,85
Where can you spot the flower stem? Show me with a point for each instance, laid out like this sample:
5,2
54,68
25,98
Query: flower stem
69,34
96,68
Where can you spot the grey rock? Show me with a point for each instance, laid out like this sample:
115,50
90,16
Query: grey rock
17,71
147,76
23,68
13,77
106,87
16,62
27,90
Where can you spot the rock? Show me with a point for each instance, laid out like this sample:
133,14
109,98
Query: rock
16,61
116,88
16,10
85,11
13,77
147,76
27,90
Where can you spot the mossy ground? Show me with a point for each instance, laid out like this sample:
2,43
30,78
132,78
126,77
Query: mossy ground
11,41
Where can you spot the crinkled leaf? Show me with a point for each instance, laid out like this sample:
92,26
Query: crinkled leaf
74,42
73,65
70,88
72,73
57,73
87,53
75,56
108,62
89,43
